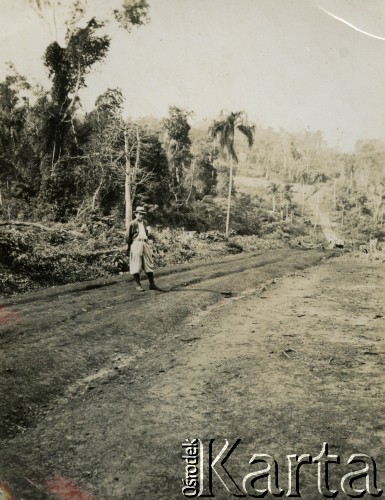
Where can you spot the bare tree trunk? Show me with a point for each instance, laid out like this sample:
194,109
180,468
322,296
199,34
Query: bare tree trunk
97,190
53,158
134,172
229,198
316,210
192,182
127,184
37,225
54,6
303,197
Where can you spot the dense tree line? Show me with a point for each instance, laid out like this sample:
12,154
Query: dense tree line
59,164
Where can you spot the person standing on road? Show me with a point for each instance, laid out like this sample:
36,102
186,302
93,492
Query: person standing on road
139,249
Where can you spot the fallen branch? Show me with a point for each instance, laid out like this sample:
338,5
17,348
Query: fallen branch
91,253
105,252
38,226
19,223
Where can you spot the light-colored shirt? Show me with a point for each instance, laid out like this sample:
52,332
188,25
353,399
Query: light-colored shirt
142,232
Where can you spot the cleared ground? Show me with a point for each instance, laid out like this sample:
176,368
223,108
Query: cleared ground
100,385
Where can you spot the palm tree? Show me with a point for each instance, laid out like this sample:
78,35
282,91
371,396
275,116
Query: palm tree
287,196
273,190
225,128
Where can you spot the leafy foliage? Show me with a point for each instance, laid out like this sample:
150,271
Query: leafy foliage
177,144
58,164
132,13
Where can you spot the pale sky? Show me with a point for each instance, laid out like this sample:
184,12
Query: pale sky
287,63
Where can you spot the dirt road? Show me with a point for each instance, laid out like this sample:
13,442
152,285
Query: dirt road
101,385
312,196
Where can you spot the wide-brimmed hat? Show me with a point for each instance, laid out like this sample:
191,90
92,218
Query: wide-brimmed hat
140,210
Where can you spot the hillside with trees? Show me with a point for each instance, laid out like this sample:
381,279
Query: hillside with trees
69,180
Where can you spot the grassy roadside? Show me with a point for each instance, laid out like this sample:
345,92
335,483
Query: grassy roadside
32,259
